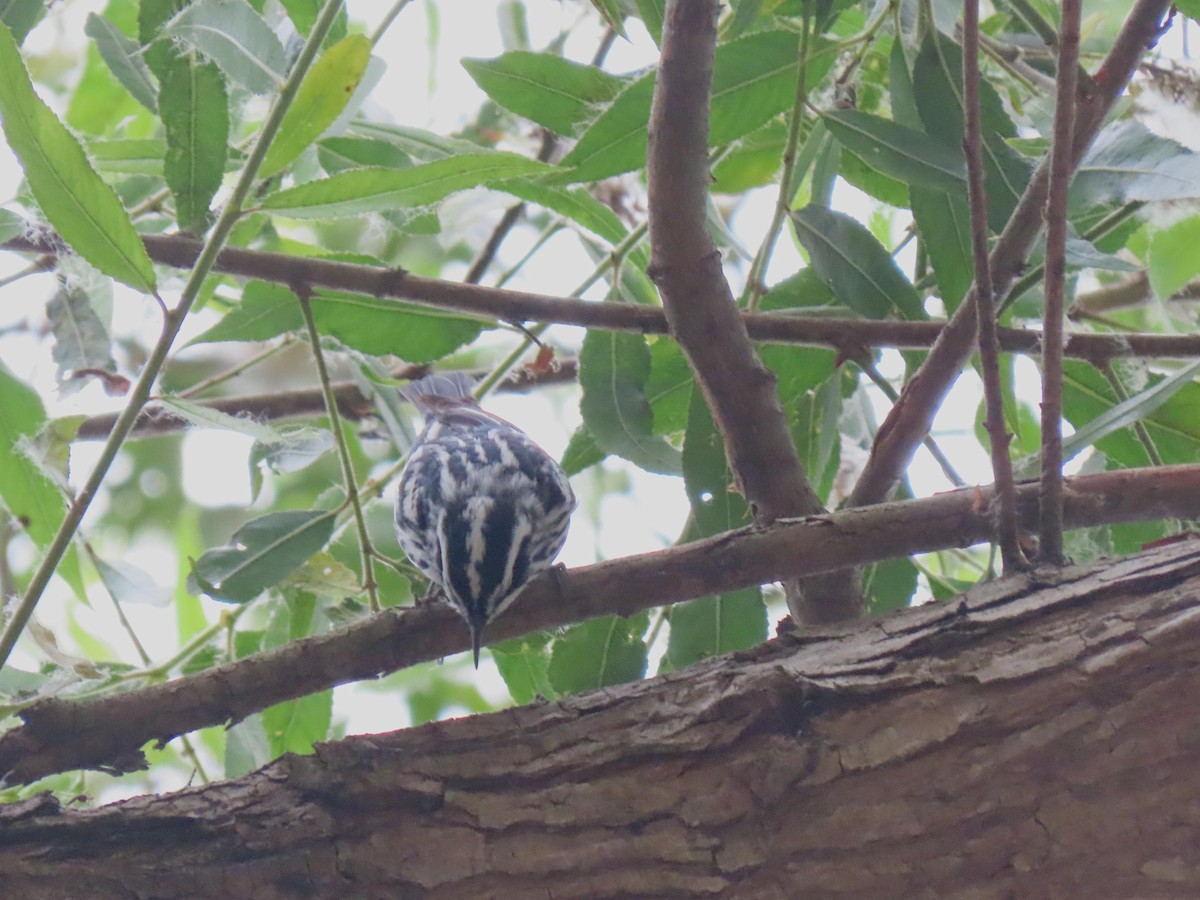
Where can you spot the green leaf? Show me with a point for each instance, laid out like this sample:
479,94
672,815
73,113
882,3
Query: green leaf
944,222
21,15
524,664
261,553
897,150
236,38
545,88
359,191
710,626
206,417
1137,408
937,89
195,115
123,57
754,79
753,161
323,94
374,325
33,499
890,585
1173,261
613,370
127,583
79,204
814,416
730,621
599,653
1128,161
80,339
295,725
128,157
652,13
582,452
858,269
11,225
266,311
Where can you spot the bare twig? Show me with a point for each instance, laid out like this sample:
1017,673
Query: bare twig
989,347
699,304
59,735
1051,539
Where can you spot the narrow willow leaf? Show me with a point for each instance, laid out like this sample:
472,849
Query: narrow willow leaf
359,191
33,499
754,79
1172,261
207,417
890,585
937,89
261,553
127,583
79,204
652,13
1128,161
236,38
123,57
944,222
143,156
266,311
599,653
899,151
195,115
384,327
81,340
545,88
1141,407
613,371
858,269
21,15
323,94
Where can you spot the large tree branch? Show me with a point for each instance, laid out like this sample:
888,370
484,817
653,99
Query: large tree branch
700,308
1033,738
911,418
59,735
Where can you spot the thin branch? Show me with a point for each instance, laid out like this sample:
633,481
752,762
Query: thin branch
755,287
699,305
339,438
1051,530
989,347
910,419
172,323
59,735
351,403
847,335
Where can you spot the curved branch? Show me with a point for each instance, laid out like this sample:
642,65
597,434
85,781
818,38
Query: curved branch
700,308
59,735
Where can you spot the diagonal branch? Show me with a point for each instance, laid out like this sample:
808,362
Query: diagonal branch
59,735
699,305
910,419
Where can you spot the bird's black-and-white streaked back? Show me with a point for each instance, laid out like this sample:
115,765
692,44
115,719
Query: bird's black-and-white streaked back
481,509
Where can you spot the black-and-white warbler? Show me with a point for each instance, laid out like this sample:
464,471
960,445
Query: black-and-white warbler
481,509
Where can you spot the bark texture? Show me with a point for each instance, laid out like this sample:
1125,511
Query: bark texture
1037,737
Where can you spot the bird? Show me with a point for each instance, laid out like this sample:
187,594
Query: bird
481,509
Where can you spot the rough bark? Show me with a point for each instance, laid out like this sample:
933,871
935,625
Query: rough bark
1033,738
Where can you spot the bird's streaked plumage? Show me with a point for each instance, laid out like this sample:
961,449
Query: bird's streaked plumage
481,509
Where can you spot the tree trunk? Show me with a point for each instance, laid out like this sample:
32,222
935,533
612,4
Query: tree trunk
1036,737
